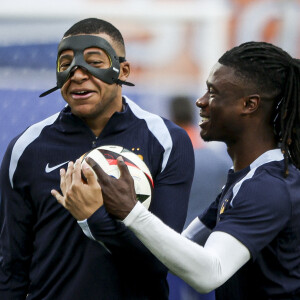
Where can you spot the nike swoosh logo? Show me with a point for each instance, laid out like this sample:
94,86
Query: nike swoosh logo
50,169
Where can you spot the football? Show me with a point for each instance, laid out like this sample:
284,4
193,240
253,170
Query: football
106,158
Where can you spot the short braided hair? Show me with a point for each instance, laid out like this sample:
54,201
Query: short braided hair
276,75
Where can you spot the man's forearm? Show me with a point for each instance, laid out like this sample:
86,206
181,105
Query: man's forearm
204,268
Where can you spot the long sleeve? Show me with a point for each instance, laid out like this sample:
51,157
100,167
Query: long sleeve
120,242
15,239
204,268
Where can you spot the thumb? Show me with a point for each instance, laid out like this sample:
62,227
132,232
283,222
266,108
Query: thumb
101,175
58,196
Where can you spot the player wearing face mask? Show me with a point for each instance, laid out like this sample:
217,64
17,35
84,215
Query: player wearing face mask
43,251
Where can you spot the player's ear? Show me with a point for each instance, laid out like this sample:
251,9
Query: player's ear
124,70
251,103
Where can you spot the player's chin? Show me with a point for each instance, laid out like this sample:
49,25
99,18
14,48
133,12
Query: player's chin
205,136
83,111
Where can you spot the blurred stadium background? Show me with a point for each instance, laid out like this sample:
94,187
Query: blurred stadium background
172,44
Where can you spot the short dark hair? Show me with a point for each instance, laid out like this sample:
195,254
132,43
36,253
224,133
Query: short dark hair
95,26
276,75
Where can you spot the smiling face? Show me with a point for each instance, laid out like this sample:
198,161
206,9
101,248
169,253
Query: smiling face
89,97
221,106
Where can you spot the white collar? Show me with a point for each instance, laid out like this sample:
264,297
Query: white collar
271,155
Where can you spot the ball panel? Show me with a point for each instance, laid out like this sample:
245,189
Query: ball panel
106,157
137,161
146,203
128,156
113,148
141,184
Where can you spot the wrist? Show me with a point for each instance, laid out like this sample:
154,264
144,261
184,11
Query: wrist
122,214
134,213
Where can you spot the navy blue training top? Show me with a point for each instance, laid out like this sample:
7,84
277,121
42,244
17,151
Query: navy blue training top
43,252
261,208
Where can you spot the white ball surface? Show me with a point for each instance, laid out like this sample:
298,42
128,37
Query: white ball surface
106,158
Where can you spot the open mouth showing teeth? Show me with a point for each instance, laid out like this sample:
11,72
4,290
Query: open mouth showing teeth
81,93
204,119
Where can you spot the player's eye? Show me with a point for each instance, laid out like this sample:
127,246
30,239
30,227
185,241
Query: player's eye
95,63
210,91
64,66
97,58
64,63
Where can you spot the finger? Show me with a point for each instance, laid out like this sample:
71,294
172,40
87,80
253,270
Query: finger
102,176
89,173
62,173
69,173
124,172
60,199
76,174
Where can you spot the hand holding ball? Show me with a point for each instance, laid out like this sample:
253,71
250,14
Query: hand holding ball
106,158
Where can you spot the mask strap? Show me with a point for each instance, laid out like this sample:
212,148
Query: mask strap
49,92
121,82
118,81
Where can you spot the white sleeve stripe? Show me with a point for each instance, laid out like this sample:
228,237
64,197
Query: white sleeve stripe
271,155
197,232
86,230
26,139
193,228
157,126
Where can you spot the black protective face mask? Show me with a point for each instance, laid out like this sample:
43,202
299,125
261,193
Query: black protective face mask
78,44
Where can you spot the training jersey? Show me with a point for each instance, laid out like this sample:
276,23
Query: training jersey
43,252
261,208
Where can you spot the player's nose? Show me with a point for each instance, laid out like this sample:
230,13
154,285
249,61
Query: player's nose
202,101
78,73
